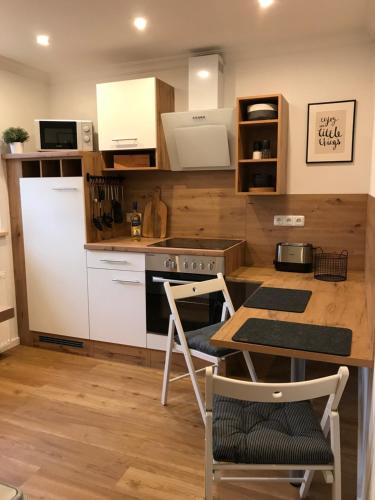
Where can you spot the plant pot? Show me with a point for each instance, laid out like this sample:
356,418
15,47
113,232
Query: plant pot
16,147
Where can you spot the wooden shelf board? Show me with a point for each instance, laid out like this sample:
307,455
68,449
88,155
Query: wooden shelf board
43,155
6,313
263,160
3,234
249,123
124,169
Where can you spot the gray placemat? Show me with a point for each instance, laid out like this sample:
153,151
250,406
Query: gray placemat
300,336
279,299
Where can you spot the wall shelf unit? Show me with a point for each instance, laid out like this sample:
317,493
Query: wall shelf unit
265,176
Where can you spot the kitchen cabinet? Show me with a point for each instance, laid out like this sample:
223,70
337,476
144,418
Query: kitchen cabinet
127,114
53,218
129,120
117,297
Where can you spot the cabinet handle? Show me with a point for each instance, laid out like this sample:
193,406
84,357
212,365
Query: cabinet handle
126,282
108,261
134,139
65,189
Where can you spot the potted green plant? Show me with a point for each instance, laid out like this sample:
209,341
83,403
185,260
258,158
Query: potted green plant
15,137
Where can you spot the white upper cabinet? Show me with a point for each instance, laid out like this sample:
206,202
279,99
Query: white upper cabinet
127,114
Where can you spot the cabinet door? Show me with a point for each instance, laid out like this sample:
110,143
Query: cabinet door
127,114
54,235
117,305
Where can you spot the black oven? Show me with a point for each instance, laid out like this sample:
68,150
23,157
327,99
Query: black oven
195,312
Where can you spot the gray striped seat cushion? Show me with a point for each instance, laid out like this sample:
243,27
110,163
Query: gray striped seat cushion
268,433
200,340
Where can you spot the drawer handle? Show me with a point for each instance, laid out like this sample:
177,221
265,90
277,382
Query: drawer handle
134,139
65,189
126,282
114,261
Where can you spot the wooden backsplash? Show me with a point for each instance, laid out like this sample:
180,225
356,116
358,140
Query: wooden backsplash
204,204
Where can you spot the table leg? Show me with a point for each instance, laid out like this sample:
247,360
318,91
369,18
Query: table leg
297,370
365,376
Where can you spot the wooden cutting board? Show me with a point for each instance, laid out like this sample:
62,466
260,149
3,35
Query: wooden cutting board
155,217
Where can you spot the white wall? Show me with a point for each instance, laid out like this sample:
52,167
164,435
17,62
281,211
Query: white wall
303,77
22,98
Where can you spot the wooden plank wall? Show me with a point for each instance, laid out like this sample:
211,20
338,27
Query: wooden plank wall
204,204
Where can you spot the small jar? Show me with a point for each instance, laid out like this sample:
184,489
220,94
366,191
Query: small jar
266,149
257,151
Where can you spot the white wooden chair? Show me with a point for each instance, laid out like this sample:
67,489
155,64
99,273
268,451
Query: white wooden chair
258,426
197,343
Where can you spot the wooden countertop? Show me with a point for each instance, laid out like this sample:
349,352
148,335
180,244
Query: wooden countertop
126,244
6,313
332,304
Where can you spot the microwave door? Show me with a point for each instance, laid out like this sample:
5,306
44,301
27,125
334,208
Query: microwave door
58,135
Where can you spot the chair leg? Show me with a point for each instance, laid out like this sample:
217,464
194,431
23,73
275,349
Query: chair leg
208,483
167,365
305,486
194,381
250,366
335,444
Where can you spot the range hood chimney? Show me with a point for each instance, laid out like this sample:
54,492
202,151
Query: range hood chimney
202,138
206,82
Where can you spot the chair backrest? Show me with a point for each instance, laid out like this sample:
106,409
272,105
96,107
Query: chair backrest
194,290
332,386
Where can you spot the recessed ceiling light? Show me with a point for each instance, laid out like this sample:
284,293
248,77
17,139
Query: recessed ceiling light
265,3
42,40
203,73
140,23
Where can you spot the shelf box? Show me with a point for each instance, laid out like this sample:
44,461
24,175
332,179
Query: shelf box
71,167
249,132
31,168
50,168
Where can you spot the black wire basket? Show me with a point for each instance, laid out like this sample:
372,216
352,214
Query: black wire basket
330,266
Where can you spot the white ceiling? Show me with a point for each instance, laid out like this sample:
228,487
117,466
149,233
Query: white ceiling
88,33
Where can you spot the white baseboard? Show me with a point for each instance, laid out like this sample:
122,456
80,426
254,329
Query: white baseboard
157,342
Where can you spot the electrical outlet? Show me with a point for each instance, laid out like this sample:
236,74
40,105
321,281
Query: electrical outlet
298,220
288,220
279,220
2,275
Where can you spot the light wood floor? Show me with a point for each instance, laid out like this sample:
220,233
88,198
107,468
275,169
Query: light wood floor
79,428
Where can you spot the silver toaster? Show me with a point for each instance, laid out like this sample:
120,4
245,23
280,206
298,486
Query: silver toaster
294,257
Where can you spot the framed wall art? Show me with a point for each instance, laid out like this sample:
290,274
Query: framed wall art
330,132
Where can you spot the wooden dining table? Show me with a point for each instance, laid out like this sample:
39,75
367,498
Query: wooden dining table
337,304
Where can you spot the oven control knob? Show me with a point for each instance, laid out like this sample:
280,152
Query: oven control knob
86,128
166,263
186,264
193,265
211,266
201,265
173,264
86,138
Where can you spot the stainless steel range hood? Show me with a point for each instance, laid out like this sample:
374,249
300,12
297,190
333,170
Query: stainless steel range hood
202,138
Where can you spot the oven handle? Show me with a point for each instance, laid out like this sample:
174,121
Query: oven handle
157,279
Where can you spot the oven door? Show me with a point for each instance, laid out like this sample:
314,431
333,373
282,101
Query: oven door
58,135
194,312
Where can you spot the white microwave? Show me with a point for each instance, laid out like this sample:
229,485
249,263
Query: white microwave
63,135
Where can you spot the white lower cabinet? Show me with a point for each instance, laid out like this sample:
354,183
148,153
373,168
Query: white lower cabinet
117,306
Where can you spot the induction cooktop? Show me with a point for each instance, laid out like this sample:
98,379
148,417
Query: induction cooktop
196,243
